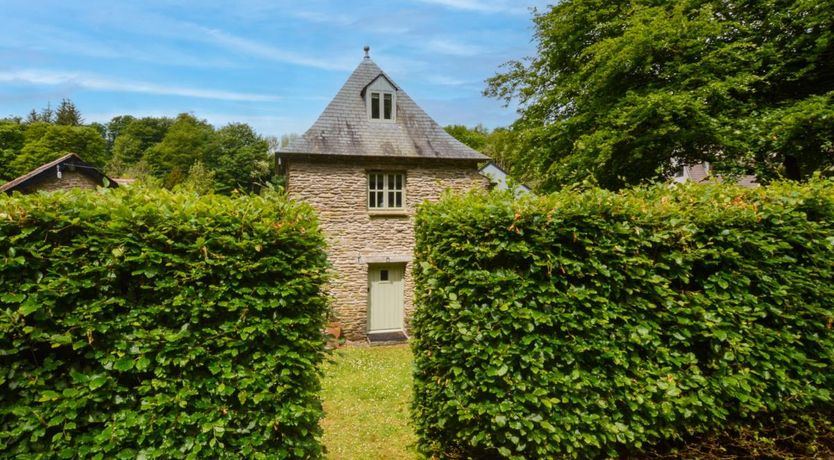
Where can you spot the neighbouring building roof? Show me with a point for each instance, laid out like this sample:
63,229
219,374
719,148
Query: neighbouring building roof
701,172
345,129
121,181
500,178
50,170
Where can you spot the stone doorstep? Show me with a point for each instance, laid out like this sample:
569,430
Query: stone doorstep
387,338
388,343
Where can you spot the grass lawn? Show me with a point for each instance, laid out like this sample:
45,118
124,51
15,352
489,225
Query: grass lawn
366,394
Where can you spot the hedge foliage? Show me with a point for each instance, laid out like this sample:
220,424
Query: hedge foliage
591,324
147,324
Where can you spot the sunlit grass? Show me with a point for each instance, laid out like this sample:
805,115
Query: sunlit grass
366,394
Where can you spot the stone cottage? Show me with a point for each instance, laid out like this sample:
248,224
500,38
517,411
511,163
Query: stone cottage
371,157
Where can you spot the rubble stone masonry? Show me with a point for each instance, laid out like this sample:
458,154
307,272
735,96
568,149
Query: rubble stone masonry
68,180
357,236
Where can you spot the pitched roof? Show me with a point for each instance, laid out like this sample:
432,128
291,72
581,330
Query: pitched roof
43,170
344,128
701,172
500,178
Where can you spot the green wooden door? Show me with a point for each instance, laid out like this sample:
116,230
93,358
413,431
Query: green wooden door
385,298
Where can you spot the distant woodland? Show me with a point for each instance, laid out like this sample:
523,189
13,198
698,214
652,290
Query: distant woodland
180,151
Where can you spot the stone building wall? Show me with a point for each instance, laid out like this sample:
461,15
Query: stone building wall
68,180
356,236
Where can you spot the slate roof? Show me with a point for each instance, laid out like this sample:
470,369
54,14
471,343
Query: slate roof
344,128
48,169
500,178
699,172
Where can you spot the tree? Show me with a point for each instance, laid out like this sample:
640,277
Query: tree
498,144
46,115
132,138
199,180
187,141
117,125
11,143
476,137
67,114
33,116
100,129
623,90
241,161
44,143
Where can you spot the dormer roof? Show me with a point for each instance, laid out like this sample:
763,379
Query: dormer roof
344,128
381,75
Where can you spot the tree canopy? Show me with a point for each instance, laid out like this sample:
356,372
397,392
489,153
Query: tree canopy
44,142
625,91
498,144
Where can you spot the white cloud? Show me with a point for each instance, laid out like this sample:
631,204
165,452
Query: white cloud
453,48
147,22
481,6
447,81
321,17
39,40
96,83
253,48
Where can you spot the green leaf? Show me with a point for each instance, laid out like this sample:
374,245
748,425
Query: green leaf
49,395
29,307
97,381
142,363
123,364
9,297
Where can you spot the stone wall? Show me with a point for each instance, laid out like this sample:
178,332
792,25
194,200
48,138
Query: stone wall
357,236
68,180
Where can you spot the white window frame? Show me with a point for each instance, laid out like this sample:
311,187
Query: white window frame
381,95
388,191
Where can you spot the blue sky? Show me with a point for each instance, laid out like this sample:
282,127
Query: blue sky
271,63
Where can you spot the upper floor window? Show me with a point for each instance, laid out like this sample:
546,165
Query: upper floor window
386,190
382,106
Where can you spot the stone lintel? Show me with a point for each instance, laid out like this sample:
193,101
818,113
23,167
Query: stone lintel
383,259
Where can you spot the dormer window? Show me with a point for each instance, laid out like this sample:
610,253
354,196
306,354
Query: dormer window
380,96
382,105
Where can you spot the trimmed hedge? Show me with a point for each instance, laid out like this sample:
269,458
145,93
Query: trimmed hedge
591,323
147,324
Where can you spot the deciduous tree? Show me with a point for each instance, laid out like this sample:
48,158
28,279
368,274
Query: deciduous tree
11,142
241,161
621,90
132,137
44,142
187,141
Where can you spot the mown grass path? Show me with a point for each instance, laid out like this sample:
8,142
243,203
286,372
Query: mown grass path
366,393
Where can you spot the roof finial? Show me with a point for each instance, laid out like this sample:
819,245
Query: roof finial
367,50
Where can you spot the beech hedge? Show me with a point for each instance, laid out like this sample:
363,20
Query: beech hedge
590,323
148,324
